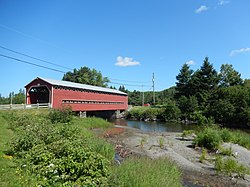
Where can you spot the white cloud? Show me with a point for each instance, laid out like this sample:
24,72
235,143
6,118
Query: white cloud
238,51
190,62
126,61
202,8
223,2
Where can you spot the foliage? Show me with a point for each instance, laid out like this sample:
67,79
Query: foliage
8,175
167,112
229,76
14,98
91,122
209,138
140,172
183,85
85,75
186,133
223,97
230,166
63,115
187,105
226,151
161,142
203,155
172,112
200,119
58,154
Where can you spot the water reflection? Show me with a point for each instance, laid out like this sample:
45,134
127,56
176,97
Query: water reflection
154,126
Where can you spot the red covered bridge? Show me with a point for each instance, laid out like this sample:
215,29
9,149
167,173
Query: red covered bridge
82,98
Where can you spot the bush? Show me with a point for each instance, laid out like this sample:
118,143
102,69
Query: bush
172,112
230,166
60,155
226,135
209,138
198,117
63,115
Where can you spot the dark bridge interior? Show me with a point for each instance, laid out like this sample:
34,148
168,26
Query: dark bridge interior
39,95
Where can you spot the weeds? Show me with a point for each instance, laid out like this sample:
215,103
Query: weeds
203,155
226,151
143,141
230,166
161,142
140,172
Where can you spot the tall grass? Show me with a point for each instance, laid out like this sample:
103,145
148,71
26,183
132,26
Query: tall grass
142,172
91,122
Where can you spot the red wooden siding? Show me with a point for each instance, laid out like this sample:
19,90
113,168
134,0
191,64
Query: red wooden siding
79,99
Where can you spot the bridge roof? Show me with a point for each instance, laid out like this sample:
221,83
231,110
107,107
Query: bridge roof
80,86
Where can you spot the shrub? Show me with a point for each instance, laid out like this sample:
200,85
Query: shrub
63,115
209,138
60,155
226,135
230,166
172,112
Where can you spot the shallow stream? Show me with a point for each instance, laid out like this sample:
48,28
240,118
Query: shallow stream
155,126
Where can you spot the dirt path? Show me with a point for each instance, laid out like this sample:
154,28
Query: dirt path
172,145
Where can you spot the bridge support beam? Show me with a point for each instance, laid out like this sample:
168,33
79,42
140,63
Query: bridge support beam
83,114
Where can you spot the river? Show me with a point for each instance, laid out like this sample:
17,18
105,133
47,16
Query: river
155,126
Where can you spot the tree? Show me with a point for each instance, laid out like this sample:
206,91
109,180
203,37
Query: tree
86,76
122,89
187,105
204,81
229,76
183,84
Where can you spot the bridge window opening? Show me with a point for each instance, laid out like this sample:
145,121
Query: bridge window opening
39,95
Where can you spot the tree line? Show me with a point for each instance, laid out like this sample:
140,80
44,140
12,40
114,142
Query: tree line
14,98
204,96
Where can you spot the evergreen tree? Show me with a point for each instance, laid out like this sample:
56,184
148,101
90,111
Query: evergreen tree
183,81
229,76
204,81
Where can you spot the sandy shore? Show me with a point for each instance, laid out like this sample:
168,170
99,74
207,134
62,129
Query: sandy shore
132,141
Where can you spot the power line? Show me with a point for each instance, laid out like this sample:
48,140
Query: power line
5,48
136,85
128,80
51,63
30,63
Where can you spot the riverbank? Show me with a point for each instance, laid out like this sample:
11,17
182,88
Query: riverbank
131,141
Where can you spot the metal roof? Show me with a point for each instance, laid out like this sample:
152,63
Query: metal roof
81,86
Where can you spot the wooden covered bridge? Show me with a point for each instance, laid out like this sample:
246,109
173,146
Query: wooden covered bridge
85,99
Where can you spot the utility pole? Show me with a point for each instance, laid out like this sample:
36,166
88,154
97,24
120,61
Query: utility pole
153,80
142,96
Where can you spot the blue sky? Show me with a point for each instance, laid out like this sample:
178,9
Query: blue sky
126,40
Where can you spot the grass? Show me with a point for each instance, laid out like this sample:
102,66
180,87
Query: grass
91,122
203,155
144,172
230,166
53,140
8,172
161,142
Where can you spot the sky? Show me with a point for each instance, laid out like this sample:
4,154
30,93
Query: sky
127,40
